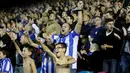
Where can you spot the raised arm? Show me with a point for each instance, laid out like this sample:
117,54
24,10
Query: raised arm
30,41
46,49
79,23
13,37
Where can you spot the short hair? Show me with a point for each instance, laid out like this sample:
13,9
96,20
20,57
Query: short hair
108,20
75,12
3,51
111,13
70,26
71,17
30,48
62,44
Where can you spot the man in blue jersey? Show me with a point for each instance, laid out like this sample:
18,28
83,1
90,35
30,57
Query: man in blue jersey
5,63
70,37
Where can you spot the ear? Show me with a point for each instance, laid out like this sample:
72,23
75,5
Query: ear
30,53
64,50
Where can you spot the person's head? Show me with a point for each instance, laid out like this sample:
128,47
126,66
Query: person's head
20,26
52,16
28,28
75,15
109,24
69,19
3,53
2,31
103,9
64,14
86,18
45,19
109,14
27,50
23,39
66,28
98,12
92,10
60,49
97,21
128,17
66,9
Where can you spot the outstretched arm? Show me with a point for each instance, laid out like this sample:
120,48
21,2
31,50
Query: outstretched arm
79,23
17,47
13,37
46,49
30,41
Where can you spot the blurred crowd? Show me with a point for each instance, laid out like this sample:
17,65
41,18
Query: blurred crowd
98,37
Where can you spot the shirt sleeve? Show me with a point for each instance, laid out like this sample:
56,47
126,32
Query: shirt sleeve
74,34
55,37
37,30
6,66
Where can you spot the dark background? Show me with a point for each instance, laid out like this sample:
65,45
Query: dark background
12,3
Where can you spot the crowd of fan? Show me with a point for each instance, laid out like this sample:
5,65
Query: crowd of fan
103,43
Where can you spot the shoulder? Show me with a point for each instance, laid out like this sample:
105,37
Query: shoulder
31,60
6,60
73,33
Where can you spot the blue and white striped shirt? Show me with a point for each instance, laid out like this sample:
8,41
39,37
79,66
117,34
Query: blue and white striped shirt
6,66
71,41
47,63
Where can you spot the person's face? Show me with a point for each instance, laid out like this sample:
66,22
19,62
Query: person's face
69,20
66,9
128,17
85,18
26,52
92,11
103,9
65,29
97,21
23,39
64,15
109,25
59,50
52,17
49,41
2,56
97,13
